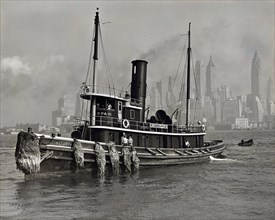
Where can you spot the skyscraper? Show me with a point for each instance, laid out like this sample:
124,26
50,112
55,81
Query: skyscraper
208,91
270,89
254,99
255,71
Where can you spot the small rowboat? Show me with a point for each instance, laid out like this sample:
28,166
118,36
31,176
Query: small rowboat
249,142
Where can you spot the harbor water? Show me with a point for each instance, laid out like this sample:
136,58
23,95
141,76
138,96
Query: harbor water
239,187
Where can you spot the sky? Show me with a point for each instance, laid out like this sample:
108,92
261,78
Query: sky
45,47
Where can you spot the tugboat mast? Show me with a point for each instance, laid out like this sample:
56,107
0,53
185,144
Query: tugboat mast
95,58
188,76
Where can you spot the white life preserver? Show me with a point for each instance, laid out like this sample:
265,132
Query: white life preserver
125,123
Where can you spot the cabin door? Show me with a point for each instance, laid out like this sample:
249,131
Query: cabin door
120,110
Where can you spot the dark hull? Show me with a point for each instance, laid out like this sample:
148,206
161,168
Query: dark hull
61,155
246,143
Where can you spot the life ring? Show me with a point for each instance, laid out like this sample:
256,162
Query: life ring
125,123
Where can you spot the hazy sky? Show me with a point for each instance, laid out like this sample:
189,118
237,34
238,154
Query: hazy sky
45,46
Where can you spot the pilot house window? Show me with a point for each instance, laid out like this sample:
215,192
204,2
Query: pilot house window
101,103
119,106
132,114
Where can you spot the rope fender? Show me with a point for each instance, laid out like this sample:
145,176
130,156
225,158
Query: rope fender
100,158
78,154
27,153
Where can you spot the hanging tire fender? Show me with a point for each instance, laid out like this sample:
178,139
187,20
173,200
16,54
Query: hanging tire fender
125,123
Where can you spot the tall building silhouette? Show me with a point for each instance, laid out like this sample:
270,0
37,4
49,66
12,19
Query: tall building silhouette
153,98
270,89
159,95
208,91
255,71
78,106
64,113
254,99
171,101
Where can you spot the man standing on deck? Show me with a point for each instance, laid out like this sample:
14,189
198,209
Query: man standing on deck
130,142
124,140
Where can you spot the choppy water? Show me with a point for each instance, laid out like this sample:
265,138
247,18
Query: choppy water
241,187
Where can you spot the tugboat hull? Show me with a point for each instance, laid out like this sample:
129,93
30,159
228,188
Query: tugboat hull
58,154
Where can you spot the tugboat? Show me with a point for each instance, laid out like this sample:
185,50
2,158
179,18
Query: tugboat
117,133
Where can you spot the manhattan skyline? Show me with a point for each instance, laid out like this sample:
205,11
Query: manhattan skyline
45,46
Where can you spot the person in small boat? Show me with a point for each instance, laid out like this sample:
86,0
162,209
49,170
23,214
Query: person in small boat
242,141
124,140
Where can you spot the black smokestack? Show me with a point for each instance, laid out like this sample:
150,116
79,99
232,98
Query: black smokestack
138,85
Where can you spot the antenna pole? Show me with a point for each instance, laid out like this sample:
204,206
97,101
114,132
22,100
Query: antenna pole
188,76
95,58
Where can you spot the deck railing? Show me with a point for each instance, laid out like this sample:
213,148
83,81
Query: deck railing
105,90
144,126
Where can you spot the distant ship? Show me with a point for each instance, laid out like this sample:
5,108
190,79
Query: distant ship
117,134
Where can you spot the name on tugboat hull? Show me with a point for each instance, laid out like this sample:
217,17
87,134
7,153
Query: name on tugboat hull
103,113
161,126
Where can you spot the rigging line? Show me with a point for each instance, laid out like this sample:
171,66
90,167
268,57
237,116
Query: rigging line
179,64
90,58
195,81
107,73
105,63
128,86
182,82
105,57
129,31
180,99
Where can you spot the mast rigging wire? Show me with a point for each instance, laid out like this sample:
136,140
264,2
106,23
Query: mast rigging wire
84,104
183,52
196,87
180,100
106,62
90,59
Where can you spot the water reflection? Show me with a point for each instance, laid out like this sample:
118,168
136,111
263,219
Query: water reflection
79,191
152,193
